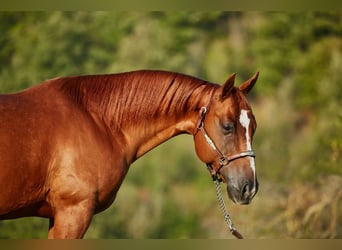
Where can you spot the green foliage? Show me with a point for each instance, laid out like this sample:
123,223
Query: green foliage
24,228
167,193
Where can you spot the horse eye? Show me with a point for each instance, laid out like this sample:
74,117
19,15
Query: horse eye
253,130
228,128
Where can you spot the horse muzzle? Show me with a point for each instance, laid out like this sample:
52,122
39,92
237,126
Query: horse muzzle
242,192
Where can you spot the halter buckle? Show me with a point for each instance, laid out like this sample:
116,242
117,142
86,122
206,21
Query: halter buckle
201,121
223,161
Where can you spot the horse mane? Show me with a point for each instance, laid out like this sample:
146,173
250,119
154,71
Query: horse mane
134,96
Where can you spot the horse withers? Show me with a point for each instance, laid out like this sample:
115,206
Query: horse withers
67,144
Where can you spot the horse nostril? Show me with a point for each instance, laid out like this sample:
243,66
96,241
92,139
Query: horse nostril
248,190
245,190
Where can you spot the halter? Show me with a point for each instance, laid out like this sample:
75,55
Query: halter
222,159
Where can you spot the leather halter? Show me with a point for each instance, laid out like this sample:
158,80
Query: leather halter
222,159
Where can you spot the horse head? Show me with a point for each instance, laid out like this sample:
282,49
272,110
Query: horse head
224,139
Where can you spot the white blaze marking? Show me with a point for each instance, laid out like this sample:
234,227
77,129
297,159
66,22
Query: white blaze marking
244,121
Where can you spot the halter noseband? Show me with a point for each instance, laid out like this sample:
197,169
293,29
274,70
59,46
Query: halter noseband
222,159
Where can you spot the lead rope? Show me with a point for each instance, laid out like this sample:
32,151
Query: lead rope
222,205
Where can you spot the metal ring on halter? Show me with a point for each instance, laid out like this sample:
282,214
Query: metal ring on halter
201,121
224,161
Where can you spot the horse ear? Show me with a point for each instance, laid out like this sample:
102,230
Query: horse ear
228,85
248,85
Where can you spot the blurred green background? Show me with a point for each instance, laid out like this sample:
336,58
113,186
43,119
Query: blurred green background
168,192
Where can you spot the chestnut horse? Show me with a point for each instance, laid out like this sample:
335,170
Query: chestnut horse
67,144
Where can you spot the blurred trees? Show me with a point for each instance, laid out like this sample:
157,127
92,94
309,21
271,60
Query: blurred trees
167,193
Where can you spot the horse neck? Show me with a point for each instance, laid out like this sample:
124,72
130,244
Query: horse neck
147,133
142,139
143,109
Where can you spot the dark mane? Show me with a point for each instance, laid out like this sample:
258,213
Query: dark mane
133,96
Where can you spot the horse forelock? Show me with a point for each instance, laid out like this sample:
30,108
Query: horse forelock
238,102
127,98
